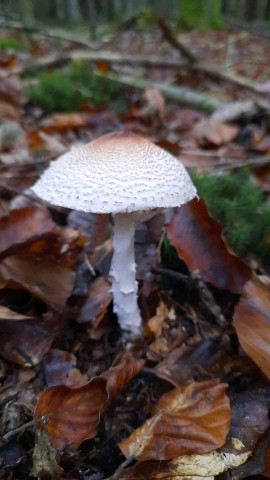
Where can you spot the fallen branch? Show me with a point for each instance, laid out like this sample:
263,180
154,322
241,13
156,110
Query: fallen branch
103,55
170,38
185,96
191,98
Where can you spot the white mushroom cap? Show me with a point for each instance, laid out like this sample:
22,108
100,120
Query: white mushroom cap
118,172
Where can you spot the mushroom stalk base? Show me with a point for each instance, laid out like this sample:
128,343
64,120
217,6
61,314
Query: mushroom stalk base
123,271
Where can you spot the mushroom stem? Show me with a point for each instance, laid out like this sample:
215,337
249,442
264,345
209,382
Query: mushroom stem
123,271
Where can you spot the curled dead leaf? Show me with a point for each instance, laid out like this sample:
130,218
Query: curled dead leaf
99,298
252,324
71,415
23,340
197,238
20,225
44,265
213,133
60,368
191,419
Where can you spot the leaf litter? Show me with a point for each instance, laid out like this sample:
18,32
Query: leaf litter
191,398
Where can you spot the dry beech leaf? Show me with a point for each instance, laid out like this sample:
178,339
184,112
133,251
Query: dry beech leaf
97,302
44,266
191,467
20,225
197,238
119,376
156,323
252,324
66,121
60,369
212,133
23,340
153,103
192,419
186,362
71,415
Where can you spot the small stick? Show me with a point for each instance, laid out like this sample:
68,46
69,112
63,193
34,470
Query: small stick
19,429
121,467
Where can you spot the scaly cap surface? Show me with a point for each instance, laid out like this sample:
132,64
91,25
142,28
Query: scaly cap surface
117,172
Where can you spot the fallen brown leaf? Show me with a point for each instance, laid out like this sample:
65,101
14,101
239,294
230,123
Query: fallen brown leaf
191,419
20,225
188,361
197,238
97,302
44,265
71,415
252,324
23,340
212,133
60,369
65,121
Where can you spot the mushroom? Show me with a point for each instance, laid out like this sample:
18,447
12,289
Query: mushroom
118,173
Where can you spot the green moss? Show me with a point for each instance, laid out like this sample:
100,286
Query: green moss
169,256
240,206
198,14
12,44
67,90
146,18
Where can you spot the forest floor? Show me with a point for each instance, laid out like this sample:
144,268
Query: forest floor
190,398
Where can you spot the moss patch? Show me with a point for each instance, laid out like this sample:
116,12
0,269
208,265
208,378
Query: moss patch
240,206
68,90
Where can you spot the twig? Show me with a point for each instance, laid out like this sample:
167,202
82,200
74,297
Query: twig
192,98
92,56
19,429
121,467
181,277
169,37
